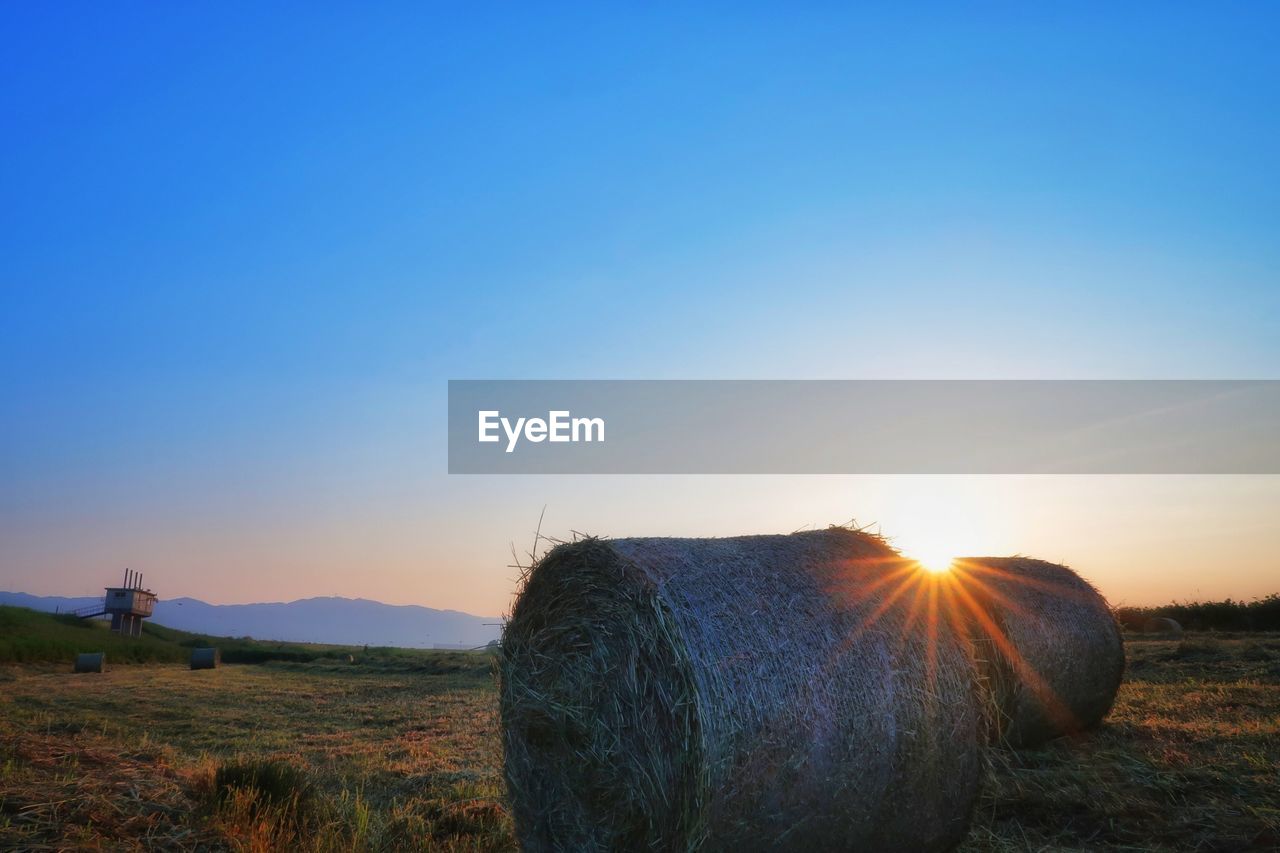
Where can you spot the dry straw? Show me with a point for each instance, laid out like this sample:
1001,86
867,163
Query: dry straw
1056,652
758,692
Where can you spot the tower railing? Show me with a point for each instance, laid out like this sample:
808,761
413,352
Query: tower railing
99,609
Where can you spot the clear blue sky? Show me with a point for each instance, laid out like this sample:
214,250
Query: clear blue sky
242,249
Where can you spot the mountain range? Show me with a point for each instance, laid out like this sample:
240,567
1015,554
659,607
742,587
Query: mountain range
341,621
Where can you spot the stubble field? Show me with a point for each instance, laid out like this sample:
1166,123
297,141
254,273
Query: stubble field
348,756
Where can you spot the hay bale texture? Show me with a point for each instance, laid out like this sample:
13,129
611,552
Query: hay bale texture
1162,625
205,658
1058,653
749,693
91,662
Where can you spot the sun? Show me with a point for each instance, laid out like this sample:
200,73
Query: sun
934,561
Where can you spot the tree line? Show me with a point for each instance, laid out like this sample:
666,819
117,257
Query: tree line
1261,614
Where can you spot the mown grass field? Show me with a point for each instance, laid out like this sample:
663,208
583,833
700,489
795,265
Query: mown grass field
404,754
390,759
1189,759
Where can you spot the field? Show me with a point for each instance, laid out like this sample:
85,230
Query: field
158,756
1189,759
403,753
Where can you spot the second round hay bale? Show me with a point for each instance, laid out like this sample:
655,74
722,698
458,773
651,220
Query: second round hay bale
91,662
1056,644
206,658
1162,625
756,692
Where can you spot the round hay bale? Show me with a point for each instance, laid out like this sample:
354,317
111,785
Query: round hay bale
1056,652
1162,625
764,692
205,658
351,658
91,662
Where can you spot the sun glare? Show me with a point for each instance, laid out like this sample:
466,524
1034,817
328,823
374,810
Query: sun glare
935,563
936,520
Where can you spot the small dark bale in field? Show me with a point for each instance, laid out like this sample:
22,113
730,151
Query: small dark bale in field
1162,625
91,662
758,692
1057,648
351,658
205,658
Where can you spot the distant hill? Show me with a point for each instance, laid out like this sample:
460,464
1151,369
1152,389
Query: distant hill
340,621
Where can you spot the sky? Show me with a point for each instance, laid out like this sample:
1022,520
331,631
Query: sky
242,250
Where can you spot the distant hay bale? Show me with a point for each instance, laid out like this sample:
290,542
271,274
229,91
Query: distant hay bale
1057,652
205,658
761,692
91,662
351,658
1162,625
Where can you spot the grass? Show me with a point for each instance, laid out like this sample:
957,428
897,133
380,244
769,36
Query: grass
1189,759
403,752
28,636
276,756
